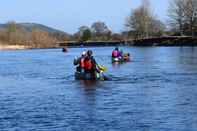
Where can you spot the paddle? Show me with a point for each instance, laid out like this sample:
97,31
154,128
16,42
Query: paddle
102,68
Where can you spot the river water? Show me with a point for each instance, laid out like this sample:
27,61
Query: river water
156,91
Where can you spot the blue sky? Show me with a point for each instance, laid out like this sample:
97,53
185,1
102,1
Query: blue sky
68,15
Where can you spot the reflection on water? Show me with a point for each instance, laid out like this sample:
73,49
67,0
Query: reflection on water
88,84
155,91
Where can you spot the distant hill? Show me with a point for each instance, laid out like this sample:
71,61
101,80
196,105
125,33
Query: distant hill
30,26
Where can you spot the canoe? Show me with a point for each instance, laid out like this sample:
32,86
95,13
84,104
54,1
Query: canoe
125,58
88,76
117,59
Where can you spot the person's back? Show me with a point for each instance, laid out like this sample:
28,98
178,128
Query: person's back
115,53
81,61
90,65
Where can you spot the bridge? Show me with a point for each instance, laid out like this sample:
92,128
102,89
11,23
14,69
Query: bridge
90,43
152,41
166,41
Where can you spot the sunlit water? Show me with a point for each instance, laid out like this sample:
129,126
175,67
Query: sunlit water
156,91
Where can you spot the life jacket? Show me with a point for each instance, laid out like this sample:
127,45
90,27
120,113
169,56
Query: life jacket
82,63
88,64
115,53
126,57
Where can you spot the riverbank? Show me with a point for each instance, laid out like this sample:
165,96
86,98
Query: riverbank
157,41
7,46
13,47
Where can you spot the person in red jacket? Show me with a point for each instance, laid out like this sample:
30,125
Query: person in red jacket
90,65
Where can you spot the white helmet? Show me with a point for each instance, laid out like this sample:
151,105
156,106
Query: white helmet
83,53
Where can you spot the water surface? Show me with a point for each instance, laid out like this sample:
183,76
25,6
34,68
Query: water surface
157,91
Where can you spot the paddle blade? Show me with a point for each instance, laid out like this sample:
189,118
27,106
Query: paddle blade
102,68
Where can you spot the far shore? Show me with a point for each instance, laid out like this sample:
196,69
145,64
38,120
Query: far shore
13,47
165,41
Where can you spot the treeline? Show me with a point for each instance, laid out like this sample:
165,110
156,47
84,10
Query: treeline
98,31
143,23
140,23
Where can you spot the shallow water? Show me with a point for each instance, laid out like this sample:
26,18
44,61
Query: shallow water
156,91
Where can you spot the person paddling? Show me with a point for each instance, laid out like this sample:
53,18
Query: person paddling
80,62
116,53
90,65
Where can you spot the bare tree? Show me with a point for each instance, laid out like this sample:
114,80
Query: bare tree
157,27
42,39
176,14
16,34
3,35
142,22
84,33
100,31
190,14
11,31
117,37
82,29
99,27
182,16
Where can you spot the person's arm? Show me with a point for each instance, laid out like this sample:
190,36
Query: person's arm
76,61
95,65
112,54
93,61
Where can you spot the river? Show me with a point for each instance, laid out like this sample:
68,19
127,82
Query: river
156,91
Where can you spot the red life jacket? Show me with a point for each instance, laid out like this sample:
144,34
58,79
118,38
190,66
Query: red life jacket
115,53
82,63
88,64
